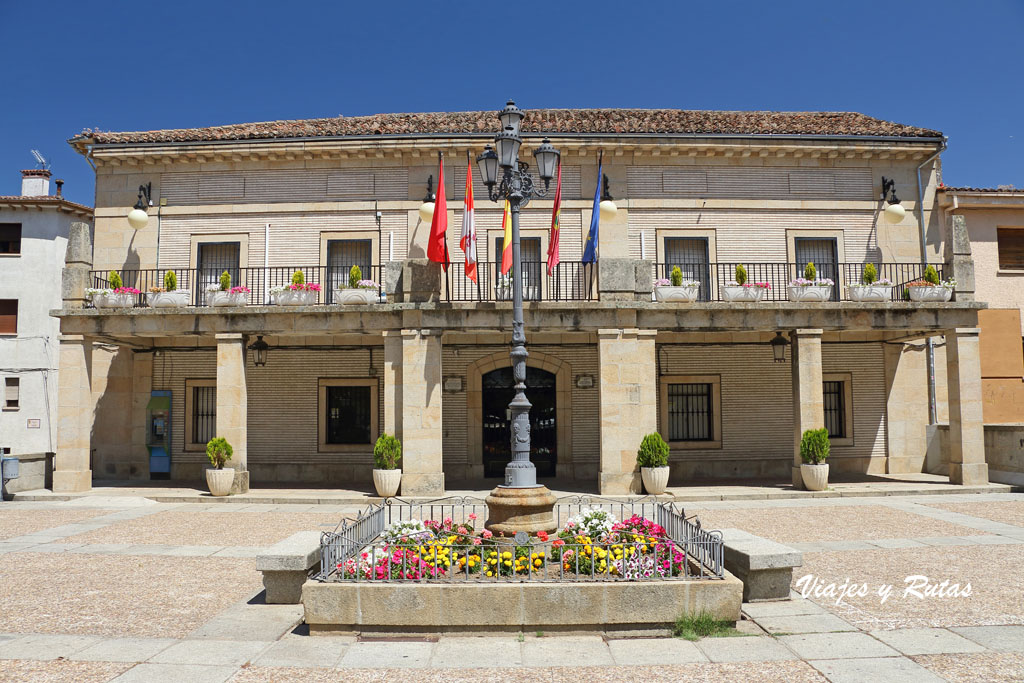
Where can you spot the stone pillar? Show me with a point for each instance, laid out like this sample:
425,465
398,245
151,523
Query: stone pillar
77,263
629,404
72,472
808,399
418,282
966,424
420,406
232,404
393,382
959,263
142,388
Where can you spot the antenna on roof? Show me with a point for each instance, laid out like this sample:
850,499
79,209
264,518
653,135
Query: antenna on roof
41,160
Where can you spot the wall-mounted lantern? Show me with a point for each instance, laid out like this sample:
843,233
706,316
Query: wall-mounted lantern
427,207
779,344
894,213
137,217
259,350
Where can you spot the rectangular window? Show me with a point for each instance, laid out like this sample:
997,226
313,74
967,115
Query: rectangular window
341,256
8,316
204,413
1011,248
530,255
213,258
348,415
12,386
835,409
821,252
10,238
690,415
690,255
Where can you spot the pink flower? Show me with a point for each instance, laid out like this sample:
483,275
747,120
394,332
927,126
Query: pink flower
477,541
486,534
542,535
472,517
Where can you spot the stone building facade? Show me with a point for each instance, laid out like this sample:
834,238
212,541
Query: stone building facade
429,361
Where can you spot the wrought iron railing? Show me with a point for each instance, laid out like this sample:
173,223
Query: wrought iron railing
714,276
569,281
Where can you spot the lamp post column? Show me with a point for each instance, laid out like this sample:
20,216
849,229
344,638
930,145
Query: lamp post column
520,472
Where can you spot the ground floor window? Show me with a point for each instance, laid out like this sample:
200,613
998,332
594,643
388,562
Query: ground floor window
348,413
690,412
12,388
200,413
837,395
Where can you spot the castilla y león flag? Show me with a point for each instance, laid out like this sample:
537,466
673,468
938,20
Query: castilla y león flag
437,247
468,241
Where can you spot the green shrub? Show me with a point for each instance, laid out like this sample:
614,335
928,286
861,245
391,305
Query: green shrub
810,272
298,278
219,451
870,274
653,451
931,276
741,274
354,276
225,281
170,281
115,280
814,446
387,452
676,276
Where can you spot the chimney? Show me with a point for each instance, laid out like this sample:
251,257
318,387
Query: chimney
60,187
35,182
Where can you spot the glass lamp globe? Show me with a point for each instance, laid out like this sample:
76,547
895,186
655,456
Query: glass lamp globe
137,218
608,209
894,213
427,211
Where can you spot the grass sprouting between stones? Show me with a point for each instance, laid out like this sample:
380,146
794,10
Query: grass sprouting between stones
704,625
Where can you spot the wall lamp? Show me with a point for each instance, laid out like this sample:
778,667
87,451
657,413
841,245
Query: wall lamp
779,344
607,206
259,350
894,213
137,217
427,207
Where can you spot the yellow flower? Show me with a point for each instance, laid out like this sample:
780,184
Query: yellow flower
507,555
533,556
507,563
490,573
472,564
538,562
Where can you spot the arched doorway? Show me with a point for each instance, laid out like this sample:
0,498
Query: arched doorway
497,391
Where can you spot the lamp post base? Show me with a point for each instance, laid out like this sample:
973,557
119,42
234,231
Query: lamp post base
521,509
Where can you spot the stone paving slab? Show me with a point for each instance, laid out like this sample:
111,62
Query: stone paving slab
175,673
836,646
387,654
999,638
889,543
457,652
875,670
927,641
321,651
124,649
744,649
59,671
991,667
805,623
634,651
781,608
44,646
211,652
245,621
555,651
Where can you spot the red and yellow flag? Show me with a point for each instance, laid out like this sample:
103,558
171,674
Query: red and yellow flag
506,240
556,213
468,240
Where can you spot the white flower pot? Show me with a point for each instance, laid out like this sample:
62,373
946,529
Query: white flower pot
221,298
815,476
870,292
113,300
668,293
932,293
810,292
655,479
355,297
386,482
176,299
219,481
740,293
295,297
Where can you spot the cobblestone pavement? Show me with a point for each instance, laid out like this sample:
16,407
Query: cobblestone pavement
129,590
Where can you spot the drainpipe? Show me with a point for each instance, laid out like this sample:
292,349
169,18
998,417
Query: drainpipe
266,263
933,413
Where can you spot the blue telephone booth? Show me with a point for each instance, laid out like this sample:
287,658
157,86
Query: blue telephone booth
158,434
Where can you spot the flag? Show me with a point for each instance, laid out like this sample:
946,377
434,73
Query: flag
437,247
468,241
506,240
590,248
555,215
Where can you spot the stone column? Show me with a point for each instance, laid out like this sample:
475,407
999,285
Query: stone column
393,382
629,404
959,263
142,388
808,399
74,416
232,404
77,263
966,424
420,406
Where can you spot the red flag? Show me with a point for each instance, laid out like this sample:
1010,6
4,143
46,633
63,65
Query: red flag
468,241
437,247
506,239
555,215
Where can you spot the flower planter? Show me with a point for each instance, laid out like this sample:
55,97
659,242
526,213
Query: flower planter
219,481
222,298
356,296
810,292
113,300
296,297
815,476
176,299
655,479
870,292
669,294
933,293
386,482
741,293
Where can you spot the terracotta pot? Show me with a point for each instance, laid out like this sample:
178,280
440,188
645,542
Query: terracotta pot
655,479
295,297
815,476
386,482
219,481
668,293
810,293
176,299
740,293
932,293
355,296
870,292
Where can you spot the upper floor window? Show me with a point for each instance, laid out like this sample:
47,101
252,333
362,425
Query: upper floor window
341,256
10,238
11,393
8,316
1011,248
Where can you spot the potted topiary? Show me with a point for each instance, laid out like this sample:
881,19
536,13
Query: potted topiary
168,296
387,453
930,288
870,287
224,294
814,448
219,478
115,296
810,287
653,461
741,290
359,291
676,288
298,293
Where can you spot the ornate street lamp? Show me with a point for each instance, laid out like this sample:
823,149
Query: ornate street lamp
259,351
516,185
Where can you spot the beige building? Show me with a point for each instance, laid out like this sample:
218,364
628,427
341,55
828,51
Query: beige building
429,361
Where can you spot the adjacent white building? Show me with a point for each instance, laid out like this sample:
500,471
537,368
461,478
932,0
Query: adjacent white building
33,237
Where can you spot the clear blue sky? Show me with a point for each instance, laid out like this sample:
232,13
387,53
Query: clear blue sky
952,65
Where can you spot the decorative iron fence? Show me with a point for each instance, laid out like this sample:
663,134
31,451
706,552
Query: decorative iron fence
441,541
569,281
714,276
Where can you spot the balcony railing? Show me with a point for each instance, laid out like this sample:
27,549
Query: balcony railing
714,276
569,281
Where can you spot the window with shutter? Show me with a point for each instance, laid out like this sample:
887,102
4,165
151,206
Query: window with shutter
8,316
12,388
10,238
1011,248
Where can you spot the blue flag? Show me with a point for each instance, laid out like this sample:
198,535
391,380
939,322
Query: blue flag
590,248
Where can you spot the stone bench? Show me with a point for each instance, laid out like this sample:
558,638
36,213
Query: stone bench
286,566
765,567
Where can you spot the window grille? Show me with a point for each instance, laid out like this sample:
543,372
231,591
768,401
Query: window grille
689,412
822,252
204,414
690,254
341,256
835,409
348,415
213,259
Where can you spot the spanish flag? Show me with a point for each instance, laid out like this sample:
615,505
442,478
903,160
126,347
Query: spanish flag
556,213
506,240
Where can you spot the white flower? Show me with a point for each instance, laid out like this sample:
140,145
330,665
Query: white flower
406,528
593,522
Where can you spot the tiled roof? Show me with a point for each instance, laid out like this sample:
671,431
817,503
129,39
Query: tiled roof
45,200
552,121
1013,190
36,173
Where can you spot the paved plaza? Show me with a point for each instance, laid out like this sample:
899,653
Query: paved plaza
124,588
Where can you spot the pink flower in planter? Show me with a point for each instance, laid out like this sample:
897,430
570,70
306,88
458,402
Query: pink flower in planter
486,533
